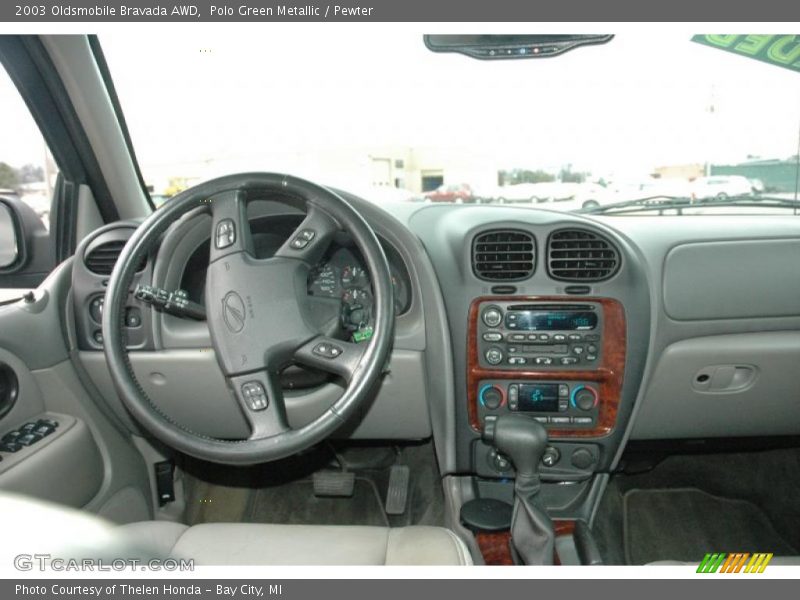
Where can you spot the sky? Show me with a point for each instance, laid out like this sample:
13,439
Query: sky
641,101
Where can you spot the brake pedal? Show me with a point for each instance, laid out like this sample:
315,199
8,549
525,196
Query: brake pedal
334,483
397,494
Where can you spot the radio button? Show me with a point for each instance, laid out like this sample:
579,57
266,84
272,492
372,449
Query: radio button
543,360
532,337
574,337
513,393
591,357
517,360
494,356
577,350
582,420
559,420
563,390
559,337
591,349
569,360
517,337
591,337
543,337
563,405
493,336
492,317
542,419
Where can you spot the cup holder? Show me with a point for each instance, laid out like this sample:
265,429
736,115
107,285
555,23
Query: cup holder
9,388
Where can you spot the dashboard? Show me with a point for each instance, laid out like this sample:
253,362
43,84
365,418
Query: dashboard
603,330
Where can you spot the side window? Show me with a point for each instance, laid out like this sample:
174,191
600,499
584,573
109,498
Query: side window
27,180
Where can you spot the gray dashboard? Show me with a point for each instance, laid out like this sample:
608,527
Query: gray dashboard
711,308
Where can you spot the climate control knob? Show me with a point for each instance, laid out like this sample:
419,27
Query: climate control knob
584,398
494,356
491,397
492,316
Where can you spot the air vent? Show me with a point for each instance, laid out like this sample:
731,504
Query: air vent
101,259
503,255
581,255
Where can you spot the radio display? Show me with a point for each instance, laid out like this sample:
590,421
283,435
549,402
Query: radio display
540,397
529,320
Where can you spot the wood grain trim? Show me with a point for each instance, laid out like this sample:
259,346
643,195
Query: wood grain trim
496,547
608,375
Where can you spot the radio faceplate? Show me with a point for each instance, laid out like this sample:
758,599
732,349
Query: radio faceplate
533,336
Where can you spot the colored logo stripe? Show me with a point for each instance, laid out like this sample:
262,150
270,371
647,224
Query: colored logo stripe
734,563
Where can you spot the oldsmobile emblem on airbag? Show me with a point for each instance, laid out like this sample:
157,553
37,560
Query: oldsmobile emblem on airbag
233,311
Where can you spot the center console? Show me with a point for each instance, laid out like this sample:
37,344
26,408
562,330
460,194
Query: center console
555,358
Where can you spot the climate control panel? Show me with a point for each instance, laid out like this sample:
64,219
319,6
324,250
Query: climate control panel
568,404
534,336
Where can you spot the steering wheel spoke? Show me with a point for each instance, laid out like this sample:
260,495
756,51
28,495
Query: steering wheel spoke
261,398
230,232
332,356
310,240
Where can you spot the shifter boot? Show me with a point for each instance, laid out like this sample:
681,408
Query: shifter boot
532,535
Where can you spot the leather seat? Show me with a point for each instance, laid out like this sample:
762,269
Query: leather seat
68,533
262,544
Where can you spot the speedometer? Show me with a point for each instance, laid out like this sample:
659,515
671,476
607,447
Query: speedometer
324,281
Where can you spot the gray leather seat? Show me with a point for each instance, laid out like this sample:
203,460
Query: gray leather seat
262,544
68,533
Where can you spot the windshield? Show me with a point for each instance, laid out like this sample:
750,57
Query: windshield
655,116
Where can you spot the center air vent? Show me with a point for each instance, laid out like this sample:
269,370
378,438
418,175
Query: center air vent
581,255
503,255
101,259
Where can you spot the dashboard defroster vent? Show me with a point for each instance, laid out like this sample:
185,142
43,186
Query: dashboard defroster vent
581,255
503,255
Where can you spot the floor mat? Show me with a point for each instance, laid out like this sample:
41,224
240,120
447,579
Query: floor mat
685,524
295,503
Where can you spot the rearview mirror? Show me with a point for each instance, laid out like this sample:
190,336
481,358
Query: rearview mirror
9,243
489,47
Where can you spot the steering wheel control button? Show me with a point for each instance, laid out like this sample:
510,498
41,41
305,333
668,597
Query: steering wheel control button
226,234
133,318
492,316
584,398
254,395
303,239
326,350
494,356
98,337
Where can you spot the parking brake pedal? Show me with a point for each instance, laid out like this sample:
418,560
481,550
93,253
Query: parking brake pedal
397,494
334,483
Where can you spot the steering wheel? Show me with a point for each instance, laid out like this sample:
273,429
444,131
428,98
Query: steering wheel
258,314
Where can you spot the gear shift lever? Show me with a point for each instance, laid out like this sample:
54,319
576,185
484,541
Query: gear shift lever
523,440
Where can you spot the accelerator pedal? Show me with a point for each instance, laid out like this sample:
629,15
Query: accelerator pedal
397,494
336,484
